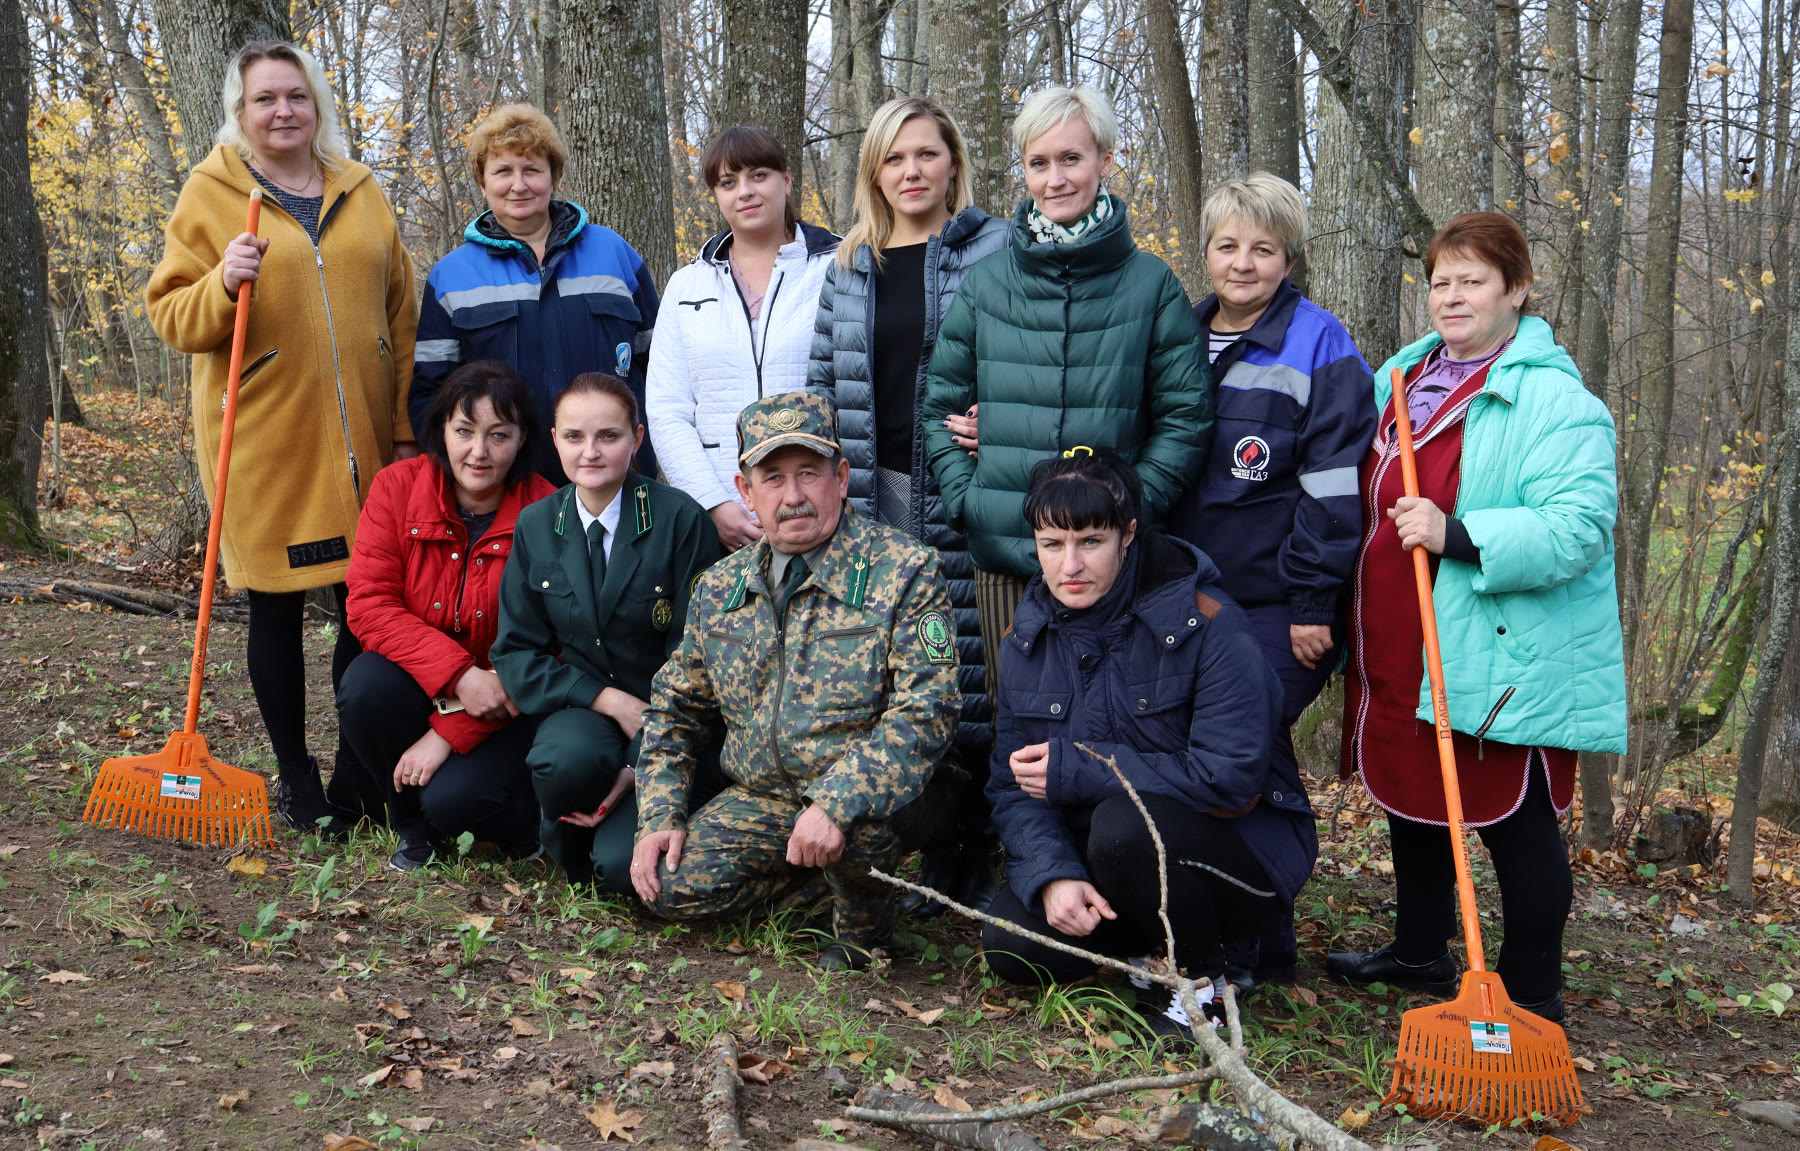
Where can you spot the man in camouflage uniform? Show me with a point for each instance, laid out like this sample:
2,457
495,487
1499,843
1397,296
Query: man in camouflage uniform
826,653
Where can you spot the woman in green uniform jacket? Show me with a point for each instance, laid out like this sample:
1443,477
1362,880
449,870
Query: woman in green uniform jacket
592,602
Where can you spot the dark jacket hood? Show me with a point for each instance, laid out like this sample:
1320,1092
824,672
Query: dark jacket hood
567,219
1164,573
818,242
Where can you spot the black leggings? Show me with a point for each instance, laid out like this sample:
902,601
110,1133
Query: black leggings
277,661
1215,883
1536,889
382,711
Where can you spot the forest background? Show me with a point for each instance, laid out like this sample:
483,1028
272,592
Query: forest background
1647,148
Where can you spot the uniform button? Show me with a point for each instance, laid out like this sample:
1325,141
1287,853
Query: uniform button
1056,709
1501,629
453,555
546,583
477,615
1142,704
659,588
596,643
1275,795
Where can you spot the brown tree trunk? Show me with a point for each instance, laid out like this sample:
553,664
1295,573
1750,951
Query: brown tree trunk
1645,444
1274,107
762,78
1453,159
199,39
617,130
1181,141
1561,303
1224,88
1607,190
964,54
1509,111
24,306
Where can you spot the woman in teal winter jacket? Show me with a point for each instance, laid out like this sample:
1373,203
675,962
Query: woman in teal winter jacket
1518,495
1069,336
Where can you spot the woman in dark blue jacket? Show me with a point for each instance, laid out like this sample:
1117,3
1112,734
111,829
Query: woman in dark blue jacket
1125,649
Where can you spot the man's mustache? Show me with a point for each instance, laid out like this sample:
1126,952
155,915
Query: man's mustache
796,511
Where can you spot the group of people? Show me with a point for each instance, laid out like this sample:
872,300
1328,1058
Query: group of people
922,539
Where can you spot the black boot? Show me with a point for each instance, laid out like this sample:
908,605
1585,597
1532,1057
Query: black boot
415,847
352,794
300,799
982,873
940,868
1438,977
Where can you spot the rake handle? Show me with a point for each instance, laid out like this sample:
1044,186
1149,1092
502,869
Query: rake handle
215,524
1440,703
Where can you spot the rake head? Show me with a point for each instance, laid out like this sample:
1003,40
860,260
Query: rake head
1483,1058
181,792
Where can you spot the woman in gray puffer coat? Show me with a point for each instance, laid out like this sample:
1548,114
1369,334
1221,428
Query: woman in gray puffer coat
915,236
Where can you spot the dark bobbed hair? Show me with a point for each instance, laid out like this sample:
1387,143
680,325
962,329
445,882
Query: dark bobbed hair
600,384
741,147
469,385
1084,488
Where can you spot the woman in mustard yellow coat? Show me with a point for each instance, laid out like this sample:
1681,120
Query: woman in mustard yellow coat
326,368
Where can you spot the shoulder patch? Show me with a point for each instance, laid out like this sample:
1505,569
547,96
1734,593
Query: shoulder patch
1209,607
937,637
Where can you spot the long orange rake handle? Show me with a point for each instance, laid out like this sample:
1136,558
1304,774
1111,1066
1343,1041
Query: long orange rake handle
1440,703
215,526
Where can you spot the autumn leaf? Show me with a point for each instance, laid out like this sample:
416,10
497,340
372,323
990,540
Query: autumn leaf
730,989
418,1124
523,1028
1417,136
611,1123
248,866
13,849
397,1009
506,1054
944,1097
336,1142
932,1016
1552,1143
653,1069
60,977
1559,149
229,1102
1353,1118
339,995
479,922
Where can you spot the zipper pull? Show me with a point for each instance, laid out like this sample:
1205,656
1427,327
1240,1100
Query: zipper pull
355,477
319,256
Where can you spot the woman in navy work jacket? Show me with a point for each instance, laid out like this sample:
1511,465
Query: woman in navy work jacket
1126,644
535,284
1278,508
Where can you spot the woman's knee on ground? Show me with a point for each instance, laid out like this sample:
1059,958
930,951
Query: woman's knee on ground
574,760
375,692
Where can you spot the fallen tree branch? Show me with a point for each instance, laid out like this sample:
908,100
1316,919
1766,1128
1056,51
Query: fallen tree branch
135,601
1042,1106
719,1106
943,1124
1214,1128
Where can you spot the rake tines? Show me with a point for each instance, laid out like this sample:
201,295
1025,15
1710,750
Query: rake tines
182,792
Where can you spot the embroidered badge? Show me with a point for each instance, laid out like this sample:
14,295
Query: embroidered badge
662,615
936,636
785,420
622,357
1251,458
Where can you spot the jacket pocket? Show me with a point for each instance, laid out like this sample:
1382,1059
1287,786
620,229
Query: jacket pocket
488,331
1042,705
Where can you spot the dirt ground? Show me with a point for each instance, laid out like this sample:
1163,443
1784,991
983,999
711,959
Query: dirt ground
160,995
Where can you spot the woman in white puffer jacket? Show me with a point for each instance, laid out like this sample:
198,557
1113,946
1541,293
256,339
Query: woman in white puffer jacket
735,325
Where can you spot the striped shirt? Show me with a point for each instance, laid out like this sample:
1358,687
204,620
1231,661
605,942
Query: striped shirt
1217,342
304,209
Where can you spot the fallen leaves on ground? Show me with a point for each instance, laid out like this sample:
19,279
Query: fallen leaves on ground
944,1097
418,1124
336,1142
611,1123
1552,1143
760,1068
523,1028
230,1100
248,866
730,989
60,977
397,1009
653,1069
1354,1118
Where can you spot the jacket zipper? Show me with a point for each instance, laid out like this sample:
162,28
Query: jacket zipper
336,366
1489,721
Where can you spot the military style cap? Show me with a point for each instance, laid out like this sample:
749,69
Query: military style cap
804,418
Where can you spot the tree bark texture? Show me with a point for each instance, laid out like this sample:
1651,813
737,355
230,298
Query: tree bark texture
1224,88
763,74
1453,159
1752,757
1648,409
1509,111
616,126
857,89
1359,186
1561,303
1274,94
964,52
24,306
199,39
1607,187
1187,182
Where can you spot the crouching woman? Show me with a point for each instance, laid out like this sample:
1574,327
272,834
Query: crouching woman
420,709
1125,651
592,604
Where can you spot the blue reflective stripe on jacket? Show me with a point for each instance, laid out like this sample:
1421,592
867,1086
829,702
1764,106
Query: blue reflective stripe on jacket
590,308
1187,705
1279,509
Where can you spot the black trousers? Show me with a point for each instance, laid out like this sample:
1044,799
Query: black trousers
1216,887
382,711
1536,890
276,659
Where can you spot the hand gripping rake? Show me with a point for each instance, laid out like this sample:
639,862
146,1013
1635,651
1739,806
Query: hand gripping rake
1478,1056
181,792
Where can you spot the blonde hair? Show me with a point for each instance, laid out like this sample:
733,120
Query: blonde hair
1050,107
874,215
518,128
328,137
1262,200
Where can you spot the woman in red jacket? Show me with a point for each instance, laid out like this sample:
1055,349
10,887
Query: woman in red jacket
421,708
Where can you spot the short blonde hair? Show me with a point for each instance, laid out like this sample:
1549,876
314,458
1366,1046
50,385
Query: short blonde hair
1050,107
518,128
1262,200
328,137
874,215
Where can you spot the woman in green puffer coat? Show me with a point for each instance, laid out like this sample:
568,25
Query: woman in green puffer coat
1069,337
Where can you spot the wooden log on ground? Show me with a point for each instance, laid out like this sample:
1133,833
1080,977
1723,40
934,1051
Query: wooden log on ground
1215,1129
984,1136
719,1106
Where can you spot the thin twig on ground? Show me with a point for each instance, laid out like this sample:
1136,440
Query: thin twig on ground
1162,854
1041,1106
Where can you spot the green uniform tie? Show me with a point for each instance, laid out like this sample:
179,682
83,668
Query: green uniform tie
796,574
597,554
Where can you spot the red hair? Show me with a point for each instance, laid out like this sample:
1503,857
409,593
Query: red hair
1489,237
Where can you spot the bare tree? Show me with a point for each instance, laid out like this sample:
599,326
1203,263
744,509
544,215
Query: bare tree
1224,88
1509,111
1453,156
24,315
1605,208
762,77
614,119
1186,181
1564,184
965,55
1274,93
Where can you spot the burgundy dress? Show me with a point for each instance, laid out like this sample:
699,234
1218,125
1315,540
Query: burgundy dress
1384,742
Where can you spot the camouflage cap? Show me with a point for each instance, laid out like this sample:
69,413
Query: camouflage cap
804,418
